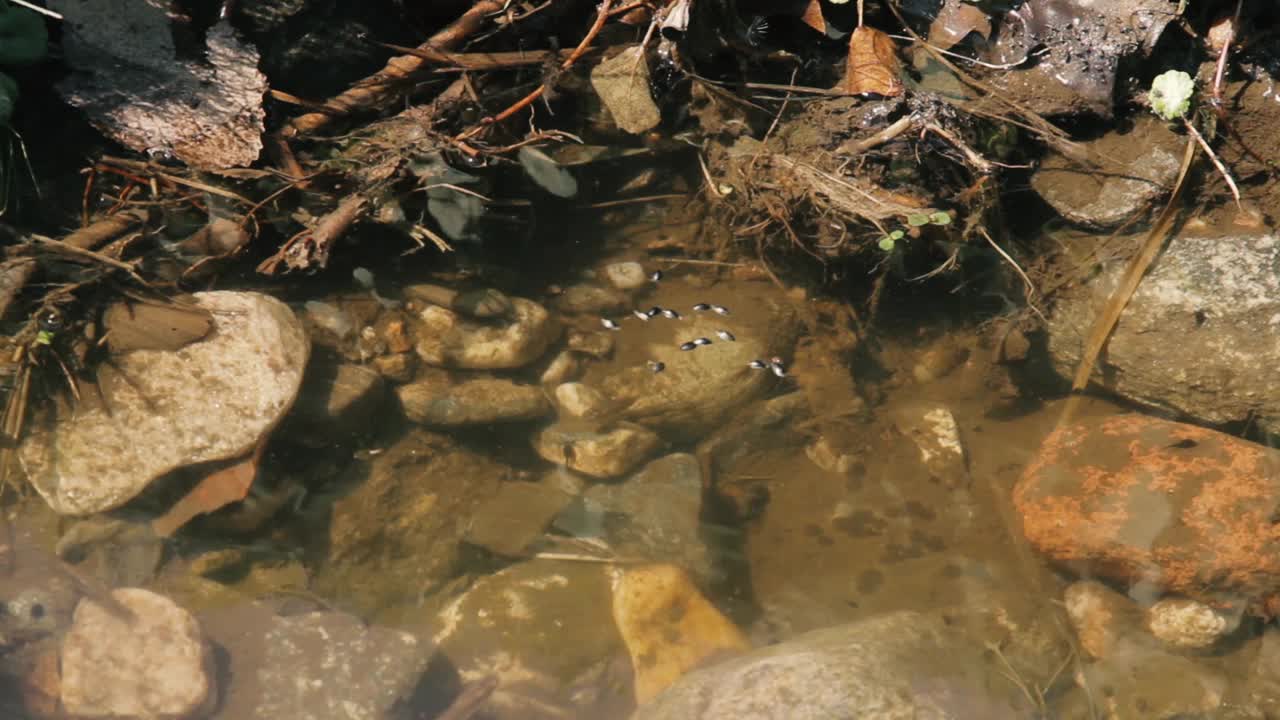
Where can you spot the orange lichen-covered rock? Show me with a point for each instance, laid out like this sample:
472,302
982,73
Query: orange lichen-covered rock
1134,499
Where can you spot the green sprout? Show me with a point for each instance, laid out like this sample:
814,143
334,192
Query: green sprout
933,218
888,242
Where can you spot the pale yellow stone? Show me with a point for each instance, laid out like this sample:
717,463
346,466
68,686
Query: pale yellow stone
669,627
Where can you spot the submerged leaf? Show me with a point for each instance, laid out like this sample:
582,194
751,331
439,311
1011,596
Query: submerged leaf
218,489
622,82
873,66
155,326
547,173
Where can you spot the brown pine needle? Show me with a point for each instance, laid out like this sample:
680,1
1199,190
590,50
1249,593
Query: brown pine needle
1110,315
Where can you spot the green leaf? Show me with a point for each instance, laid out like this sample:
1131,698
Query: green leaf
940,218
1170,94
887,243
917,219
896,235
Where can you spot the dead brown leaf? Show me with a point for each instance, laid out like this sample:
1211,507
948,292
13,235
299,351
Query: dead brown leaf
155,325
812,17
873,66
954,22
218,489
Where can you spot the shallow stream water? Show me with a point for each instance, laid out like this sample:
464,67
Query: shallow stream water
840,511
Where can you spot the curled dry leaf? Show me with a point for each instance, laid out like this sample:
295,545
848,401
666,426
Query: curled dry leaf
873,66
955,21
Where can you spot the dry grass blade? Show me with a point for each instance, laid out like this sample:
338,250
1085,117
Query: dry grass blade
1110,315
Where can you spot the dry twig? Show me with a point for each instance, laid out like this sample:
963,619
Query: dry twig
383,85
602,14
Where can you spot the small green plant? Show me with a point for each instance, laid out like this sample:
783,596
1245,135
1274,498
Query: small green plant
1170,94
888,242
1170,97
915,220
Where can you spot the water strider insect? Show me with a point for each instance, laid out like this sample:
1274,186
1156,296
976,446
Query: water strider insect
725,335
610,324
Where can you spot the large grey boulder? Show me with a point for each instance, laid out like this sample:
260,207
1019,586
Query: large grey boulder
1200,337
900,665
314,666
210,400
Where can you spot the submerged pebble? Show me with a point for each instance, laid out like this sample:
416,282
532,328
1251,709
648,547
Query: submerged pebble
625,275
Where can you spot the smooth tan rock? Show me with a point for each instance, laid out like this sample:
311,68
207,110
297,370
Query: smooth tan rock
578,400
562,368
1188,625
448,340
626,275
603,454
1101,616
156,664
669,627
933,429
211,400
438,400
